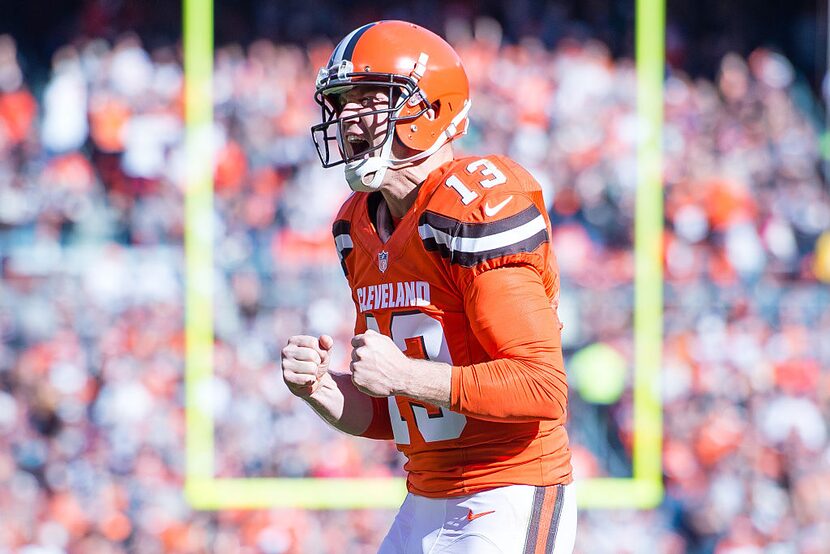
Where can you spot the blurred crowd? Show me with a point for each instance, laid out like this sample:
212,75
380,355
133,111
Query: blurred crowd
92,290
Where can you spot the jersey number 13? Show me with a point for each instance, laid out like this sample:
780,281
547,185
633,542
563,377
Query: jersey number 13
420,336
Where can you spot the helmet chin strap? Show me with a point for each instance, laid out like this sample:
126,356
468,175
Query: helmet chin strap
359,173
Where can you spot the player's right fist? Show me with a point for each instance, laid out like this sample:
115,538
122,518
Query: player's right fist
305,362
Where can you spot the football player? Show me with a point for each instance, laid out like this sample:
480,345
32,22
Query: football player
456,354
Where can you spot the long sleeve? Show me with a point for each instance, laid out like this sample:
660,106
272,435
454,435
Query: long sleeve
380,426
516,323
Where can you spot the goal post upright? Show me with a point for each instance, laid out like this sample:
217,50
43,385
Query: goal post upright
643,490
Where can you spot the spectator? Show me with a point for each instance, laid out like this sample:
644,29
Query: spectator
92,350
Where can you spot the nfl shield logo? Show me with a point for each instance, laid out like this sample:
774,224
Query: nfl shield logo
383,260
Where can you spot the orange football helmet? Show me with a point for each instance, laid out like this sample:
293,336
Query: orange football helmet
421,71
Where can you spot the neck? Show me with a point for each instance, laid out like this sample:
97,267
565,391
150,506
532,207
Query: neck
401,188
400,200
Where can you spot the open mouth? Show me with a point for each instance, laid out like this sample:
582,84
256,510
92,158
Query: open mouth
357,145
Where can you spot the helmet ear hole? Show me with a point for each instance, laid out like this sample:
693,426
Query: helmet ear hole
434,111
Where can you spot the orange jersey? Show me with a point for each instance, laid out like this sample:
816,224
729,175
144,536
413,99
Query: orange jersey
467,278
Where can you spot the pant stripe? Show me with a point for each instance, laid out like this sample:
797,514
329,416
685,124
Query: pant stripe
544,520
533,526
557,516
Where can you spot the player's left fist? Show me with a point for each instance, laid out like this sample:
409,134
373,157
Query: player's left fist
378,366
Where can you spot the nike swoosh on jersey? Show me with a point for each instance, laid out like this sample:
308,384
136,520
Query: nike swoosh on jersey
490,212
471,516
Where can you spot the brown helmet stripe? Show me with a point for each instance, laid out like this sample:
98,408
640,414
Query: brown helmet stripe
345,49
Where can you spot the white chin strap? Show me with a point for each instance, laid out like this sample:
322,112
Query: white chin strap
366,175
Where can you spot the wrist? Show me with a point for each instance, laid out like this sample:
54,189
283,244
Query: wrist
324,382
403,385
314,390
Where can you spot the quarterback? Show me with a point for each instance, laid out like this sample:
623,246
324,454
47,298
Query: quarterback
456,354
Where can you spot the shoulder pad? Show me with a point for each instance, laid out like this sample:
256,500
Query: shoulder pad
346,210
481,189
341,230
486,208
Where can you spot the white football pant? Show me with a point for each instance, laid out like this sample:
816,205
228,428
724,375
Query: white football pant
516,519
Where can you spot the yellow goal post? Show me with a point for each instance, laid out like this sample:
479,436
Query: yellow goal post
204,491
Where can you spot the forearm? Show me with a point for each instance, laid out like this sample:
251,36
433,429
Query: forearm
427,381
514,319
510,390
339,403
497,390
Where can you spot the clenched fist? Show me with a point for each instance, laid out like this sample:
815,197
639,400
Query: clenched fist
378,366
305,363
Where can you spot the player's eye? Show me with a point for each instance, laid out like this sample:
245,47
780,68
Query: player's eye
366,102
